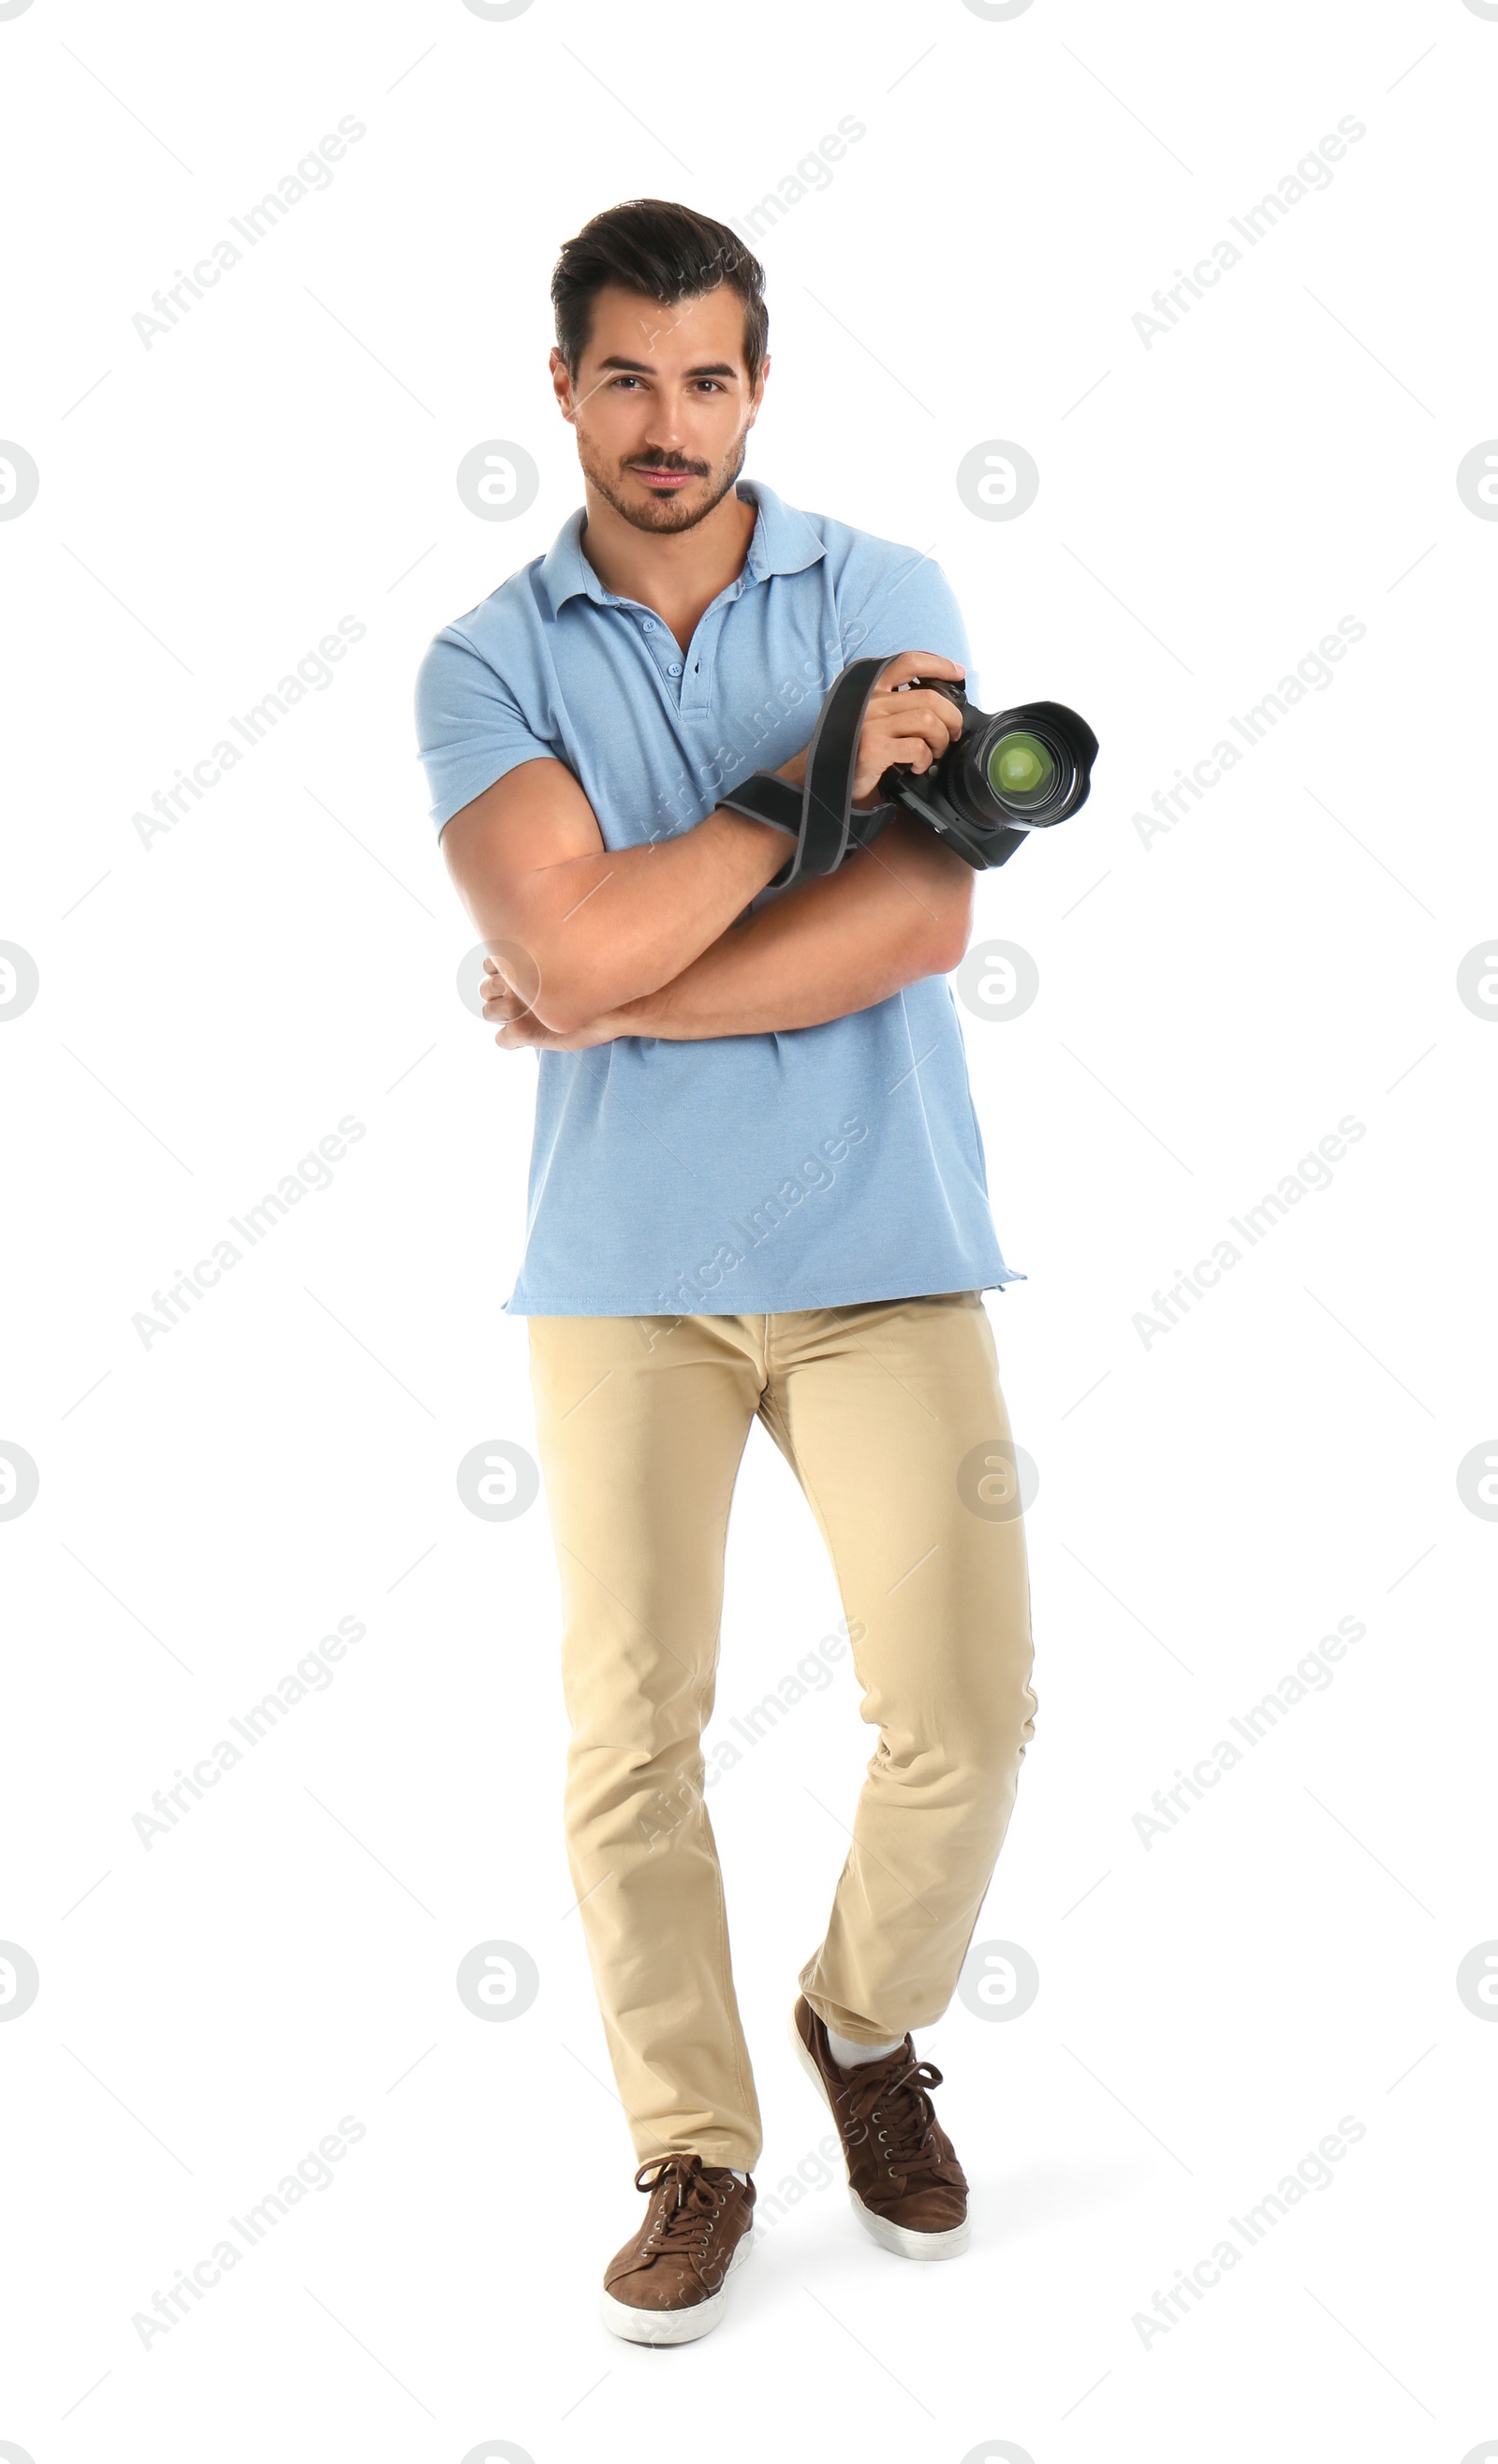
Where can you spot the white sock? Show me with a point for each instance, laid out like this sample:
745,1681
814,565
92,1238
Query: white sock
737,2175
847,2055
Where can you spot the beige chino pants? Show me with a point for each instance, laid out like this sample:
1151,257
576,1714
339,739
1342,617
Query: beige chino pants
891,1416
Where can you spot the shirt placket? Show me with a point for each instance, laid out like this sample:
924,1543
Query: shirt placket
697,685
689,679
664,647
666,654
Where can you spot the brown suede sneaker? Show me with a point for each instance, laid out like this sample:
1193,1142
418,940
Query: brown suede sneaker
670,2283
905,2183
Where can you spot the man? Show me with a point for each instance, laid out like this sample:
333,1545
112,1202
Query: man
757,1191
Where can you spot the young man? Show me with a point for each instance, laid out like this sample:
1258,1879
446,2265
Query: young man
757,1191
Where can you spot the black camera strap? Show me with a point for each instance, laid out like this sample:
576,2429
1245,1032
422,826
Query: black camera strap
955,797
820,814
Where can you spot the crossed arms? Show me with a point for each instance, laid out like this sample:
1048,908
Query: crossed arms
594,943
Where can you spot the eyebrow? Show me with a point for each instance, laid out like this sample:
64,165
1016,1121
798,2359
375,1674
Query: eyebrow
642,367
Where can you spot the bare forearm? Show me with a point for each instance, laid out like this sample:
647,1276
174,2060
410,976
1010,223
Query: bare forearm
603,929
577,933
898,911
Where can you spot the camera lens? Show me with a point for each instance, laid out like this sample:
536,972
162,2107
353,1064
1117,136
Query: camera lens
1009,772
1020,769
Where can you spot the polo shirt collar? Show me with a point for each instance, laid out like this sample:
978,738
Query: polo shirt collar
782,541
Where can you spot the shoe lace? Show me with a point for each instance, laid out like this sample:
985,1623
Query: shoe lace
685,2216
886,2103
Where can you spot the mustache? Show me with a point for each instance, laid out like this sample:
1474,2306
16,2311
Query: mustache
697,469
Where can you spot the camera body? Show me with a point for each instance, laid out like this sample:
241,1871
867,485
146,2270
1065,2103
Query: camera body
1009,772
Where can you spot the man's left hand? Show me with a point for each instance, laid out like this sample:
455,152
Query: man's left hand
521,1030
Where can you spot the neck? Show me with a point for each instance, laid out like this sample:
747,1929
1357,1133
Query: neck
669,569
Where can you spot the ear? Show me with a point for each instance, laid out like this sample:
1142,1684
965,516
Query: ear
561,382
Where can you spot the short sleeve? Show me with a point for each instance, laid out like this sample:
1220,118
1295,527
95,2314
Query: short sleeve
908,606
470,728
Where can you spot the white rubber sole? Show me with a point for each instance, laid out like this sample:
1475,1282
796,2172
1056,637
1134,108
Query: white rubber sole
673,2326
898,2238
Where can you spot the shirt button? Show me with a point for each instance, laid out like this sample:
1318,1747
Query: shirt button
649,625
675,668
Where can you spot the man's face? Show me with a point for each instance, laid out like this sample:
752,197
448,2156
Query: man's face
662,405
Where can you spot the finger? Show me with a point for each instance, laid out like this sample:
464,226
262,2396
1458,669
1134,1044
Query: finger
912,755
892,735
904,698
910,752
891,746
931,714
919,663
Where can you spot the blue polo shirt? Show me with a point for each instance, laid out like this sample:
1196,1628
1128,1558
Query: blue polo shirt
799,1170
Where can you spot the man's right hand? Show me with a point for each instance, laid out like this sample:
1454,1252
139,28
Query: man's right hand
914,727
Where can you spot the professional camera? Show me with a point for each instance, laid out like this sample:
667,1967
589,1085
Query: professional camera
1007,774
1019,770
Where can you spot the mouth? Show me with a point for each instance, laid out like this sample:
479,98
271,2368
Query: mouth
665,480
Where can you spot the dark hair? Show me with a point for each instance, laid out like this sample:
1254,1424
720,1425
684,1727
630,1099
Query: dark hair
666,252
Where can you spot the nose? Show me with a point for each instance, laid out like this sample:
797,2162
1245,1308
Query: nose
666,425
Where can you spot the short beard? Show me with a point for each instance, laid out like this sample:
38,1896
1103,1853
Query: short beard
663,513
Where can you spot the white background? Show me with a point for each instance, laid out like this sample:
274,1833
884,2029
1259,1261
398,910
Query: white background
1211,1004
